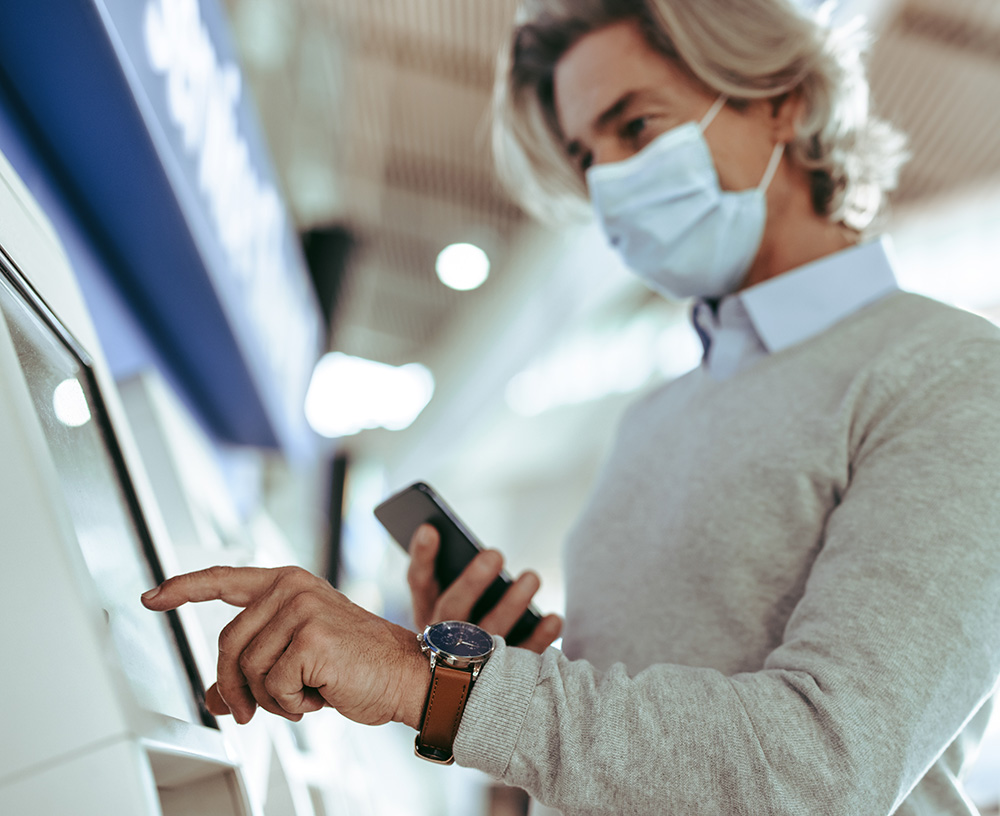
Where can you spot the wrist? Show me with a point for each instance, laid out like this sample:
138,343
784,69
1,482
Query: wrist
415,679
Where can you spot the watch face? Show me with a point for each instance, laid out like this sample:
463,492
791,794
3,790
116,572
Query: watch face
458,638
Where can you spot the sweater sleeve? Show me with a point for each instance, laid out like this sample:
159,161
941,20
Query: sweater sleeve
893,647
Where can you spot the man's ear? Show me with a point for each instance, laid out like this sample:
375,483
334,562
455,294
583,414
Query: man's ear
787,110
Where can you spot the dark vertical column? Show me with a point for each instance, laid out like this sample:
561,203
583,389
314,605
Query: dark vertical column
335,516
327,250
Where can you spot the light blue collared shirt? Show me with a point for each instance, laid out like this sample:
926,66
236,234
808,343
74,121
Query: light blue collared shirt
792,307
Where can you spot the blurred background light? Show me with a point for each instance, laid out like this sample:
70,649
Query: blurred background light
600,363
350,394
950,250
463,267
266,31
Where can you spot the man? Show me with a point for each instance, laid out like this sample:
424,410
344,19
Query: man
782,596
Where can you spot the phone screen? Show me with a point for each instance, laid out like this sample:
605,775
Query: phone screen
402,513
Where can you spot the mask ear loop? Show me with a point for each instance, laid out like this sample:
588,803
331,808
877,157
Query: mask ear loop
706,120
776,154
772,166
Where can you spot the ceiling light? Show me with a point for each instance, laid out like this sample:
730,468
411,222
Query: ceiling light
350,394
463,267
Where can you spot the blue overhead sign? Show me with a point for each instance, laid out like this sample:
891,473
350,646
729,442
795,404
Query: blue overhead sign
143,107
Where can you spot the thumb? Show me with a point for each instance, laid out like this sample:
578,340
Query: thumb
214,702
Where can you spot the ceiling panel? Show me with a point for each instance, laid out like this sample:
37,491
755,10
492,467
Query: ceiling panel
935,73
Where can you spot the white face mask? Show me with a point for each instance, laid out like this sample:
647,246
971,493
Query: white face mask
665,213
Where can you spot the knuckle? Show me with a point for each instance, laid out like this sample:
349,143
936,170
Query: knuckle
274,687
271,687
246,663
227,638
312,635
220,572
290,577
304,604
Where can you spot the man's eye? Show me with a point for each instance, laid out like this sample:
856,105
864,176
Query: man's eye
634,128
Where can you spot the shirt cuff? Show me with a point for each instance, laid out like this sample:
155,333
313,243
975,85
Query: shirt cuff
496,710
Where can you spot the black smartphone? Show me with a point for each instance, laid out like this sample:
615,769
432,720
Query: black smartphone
402,513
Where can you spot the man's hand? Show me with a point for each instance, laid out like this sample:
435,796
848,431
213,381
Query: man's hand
431,605
299,645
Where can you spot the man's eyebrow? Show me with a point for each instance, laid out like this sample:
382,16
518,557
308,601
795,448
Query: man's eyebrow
610,113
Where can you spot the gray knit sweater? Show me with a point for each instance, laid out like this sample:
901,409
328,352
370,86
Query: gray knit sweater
784,594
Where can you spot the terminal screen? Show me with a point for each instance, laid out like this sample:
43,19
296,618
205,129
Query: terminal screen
102,506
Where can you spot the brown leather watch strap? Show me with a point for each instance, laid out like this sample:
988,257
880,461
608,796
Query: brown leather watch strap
445,704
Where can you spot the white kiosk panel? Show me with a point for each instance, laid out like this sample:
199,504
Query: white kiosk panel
102,709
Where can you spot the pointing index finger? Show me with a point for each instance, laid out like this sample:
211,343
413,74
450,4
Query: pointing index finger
238,586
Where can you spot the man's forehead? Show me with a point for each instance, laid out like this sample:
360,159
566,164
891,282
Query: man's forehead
602,68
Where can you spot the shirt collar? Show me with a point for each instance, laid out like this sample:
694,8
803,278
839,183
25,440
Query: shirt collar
806,301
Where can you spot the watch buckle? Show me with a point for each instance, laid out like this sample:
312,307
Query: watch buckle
431,754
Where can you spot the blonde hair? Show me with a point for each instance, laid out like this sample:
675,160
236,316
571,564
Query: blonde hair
755,49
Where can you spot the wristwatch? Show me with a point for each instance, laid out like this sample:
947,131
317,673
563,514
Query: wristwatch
458,651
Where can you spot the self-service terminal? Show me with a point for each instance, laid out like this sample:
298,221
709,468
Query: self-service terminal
102,710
